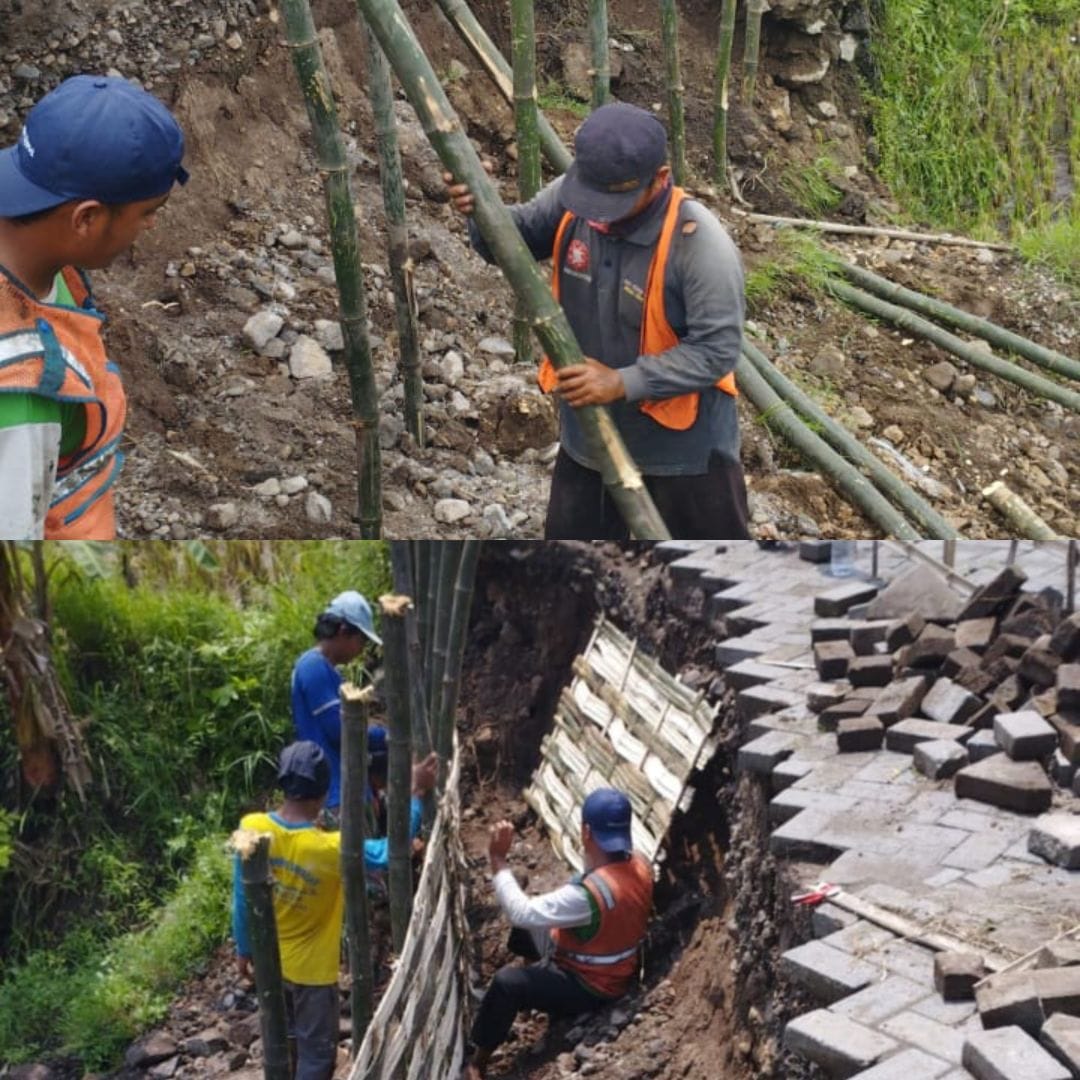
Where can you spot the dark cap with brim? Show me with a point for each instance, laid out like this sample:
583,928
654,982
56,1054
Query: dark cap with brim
303,771
618,151
608,814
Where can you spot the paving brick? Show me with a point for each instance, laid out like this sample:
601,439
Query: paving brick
1060,1036
995,596
815,551
759,700
903,736
734,650
1039,666
860,938
842,598
929,649
1065,640
1058,989
669,550
1014,785
938,759
904,958
1068,736
934,1038
1068,688
1010,999
982,745
921,590
949,703
956,973
832,658
821,695
840,1046
827,973
1062,770
976,634
870,671
1005,646
784,806
761,755
857,733
953,1013
807,837
978,851
828,918
881,999
837,629
1061,953
752,673
1056,837
866,636
909,1064
790,771
903,631
1024,736
1009,1054
900,699
976,679
961,661
829,718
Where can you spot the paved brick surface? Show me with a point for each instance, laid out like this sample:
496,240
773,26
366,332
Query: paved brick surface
1010,1054
841,1046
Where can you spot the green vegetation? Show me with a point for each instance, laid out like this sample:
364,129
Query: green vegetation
554,96
1055,246
811,186
976,115
801,258
178,658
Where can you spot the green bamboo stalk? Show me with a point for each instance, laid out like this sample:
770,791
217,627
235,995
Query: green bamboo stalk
381,90
455,647
427,561
399,767
449,561
526,117
494,63
497,227
258,884
354,785
401,564
754,10
908,320
332,161
723,78
601,52
669,26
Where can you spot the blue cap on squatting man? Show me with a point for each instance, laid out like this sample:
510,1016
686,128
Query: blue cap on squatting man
93,137
352,608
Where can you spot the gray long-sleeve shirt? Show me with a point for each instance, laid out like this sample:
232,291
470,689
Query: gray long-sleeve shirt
603,278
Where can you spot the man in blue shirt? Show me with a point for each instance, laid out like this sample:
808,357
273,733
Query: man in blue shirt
342,633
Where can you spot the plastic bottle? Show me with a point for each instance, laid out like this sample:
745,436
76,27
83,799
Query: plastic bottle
842,558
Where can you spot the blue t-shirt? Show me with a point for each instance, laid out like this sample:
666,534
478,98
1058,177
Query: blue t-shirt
316,710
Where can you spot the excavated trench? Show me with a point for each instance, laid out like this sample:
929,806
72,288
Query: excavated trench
712,1002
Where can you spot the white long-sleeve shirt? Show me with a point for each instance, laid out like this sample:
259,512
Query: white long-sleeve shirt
569,905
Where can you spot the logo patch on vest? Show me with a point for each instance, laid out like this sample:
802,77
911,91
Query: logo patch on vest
577,256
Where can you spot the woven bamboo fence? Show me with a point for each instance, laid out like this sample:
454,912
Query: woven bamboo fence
623,722
418,1031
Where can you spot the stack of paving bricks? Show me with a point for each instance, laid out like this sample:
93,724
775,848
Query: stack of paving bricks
986,690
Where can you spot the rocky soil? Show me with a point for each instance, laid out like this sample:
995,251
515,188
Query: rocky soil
223,319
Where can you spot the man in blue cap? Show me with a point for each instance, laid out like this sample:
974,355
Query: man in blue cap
93,165
653,289
342,633
585,936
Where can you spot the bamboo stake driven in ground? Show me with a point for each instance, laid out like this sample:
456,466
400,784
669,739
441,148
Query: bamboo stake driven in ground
354,786
334,165
754,10
253,850
399,767
723,81
601,53
549,322
449,559
397,234
455,646
669,26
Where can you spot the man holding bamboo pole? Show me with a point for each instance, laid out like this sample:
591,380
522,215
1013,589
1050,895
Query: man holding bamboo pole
653,289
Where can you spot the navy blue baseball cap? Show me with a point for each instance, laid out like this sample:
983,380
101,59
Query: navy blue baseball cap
303,770
607,813
93,137
618,151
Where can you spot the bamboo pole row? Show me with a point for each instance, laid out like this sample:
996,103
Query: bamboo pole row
601,53
723,78
669,28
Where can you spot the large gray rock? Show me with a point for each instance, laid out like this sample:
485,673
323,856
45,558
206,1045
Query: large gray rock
921,591
309,360
261,328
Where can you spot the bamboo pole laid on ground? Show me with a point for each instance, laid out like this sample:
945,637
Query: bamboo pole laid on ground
381,89
669,27
909,321
399,767
549,322
1022,520
494,63
601,53
354,787
334,165
964,320
754,10
526,117
457,633
723,81
253,850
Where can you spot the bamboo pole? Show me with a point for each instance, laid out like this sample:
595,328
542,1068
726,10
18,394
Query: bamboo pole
1022,520
334,165
455,647
399,768
669,27
497,227
484,49
449,561
526,117
930,522
354,786
401,562
381,89
908,320
254,852
723,79
429,560
601,53
938,309
754,10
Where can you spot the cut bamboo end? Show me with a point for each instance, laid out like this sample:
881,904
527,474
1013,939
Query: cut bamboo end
245,842
356,695
395,606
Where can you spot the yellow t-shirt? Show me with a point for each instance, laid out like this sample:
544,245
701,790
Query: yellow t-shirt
308,897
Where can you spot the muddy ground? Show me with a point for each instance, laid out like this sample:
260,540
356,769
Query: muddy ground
223,440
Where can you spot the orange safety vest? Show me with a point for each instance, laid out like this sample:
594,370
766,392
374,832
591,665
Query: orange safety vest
657,336
57,352
608,961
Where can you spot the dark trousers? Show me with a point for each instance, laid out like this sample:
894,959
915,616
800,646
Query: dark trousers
711,506
540,986
312,1014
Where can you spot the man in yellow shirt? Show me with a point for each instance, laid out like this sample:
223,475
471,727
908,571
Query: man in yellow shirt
309,899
